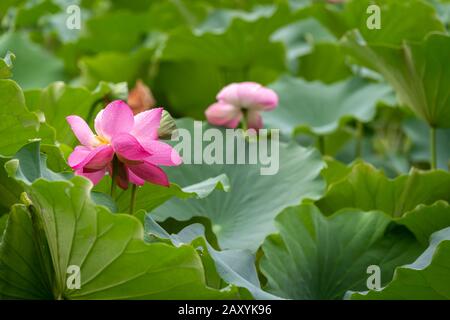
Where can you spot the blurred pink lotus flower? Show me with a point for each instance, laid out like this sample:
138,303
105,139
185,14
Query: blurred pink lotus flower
241,101
126,143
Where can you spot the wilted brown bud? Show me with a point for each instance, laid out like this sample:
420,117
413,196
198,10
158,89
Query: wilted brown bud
167,126
140,98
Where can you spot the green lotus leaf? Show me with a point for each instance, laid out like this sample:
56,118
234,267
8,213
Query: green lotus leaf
299,38
115,31
135,6
122,30
369,189
442,9
9,189
244,43
321,108
4,6
3,221
243,217
411,70
20,278
294,32
60,227
119,31
151,196
427,278
205,81
208,60
18,125
236,267
29,15
415,200
55,157
59,100
334,170
318,257
424,220
220,19
34,67
115,67
6,64
418,19
313,68
29,165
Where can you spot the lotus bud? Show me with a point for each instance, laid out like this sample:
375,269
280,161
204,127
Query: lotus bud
140,98
167,126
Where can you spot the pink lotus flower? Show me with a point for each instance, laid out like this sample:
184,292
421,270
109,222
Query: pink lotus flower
132,141
238,98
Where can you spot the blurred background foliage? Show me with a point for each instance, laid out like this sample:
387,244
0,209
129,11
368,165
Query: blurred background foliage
186,50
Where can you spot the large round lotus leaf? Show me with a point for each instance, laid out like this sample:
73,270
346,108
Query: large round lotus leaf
358,14
61,229
418,72
18,125
321,108
369,189
243,217
318,257
428,278
34,66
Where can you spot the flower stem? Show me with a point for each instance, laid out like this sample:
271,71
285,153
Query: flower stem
115,168
321,140
244,120
113,186
433,152
133,198
359,137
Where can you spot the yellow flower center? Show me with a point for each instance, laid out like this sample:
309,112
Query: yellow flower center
102,140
